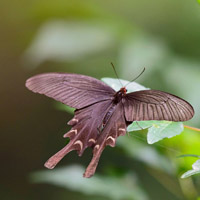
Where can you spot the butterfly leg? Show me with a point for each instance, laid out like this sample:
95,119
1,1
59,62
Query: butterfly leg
139,125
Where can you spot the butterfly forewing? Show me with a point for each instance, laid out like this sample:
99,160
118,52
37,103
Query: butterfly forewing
156,105
73,90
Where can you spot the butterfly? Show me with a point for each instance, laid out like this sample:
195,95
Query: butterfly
102,114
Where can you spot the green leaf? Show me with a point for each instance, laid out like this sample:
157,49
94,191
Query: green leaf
158,130
163,129
139,125
195,170
198,1
70,177
116,84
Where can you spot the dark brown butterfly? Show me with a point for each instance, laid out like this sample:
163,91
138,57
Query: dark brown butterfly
103,114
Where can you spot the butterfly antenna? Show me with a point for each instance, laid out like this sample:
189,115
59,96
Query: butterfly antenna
136,77
116,73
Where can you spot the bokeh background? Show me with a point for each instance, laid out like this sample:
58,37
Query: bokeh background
84,37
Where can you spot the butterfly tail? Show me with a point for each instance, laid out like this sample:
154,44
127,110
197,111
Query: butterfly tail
94,162
55,159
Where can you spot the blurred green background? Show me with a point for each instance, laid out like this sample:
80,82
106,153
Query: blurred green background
84,37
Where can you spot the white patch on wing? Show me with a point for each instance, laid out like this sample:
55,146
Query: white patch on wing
70,133
92,140
79,143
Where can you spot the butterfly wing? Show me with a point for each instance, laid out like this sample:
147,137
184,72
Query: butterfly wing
85,129
115,127
74,90
85,133
156,105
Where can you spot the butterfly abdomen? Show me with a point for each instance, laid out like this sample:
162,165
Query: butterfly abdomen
108,116
117,98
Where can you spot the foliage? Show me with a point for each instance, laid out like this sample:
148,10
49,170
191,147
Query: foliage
195,166
195,170
113,187
86,37
158,130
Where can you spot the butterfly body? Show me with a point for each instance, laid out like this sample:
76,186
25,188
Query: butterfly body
119,95
102,114
116,99
107,116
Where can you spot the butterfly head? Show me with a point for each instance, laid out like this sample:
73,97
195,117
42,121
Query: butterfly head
120,94
123,91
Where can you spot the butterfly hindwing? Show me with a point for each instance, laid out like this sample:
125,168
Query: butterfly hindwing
115,127
84,132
